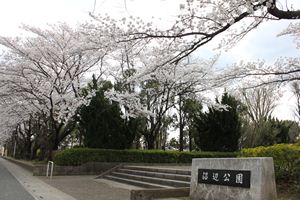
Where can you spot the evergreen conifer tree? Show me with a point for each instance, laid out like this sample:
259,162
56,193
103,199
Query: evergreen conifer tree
102,122
219,129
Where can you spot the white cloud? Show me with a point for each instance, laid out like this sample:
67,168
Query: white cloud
286,106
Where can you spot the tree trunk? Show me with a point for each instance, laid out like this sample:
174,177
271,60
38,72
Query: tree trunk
150,141
180,126
181,137
190,141
28,145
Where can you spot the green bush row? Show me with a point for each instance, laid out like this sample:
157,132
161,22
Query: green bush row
79,156
286,159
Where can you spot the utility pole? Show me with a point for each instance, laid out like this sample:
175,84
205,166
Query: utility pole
15,144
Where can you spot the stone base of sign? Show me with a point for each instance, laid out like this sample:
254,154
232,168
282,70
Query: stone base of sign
262,179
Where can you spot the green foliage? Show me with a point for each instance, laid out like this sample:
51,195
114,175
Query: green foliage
287,131
219,129
78,156
101,121
190,109
269,132
173,143
286,159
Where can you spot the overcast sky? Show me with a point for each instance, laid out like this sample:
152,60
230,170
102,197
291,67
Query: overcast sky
261,43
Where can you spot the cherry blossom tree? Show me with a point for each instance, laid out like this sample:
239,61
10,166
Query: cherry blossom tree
156,54
200,21
44,73
158,88
14,112
148,88
259,73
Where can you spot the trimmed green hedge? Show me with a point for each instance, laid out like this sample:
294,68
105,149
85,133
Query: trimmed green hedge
286,159
79,156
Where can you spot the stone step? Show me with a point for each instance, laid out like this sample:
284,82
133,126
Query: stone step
161,181
157,169
180,177
134,182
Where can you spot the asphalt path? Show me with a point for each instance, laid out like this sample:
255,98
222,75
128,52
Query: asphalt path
10,188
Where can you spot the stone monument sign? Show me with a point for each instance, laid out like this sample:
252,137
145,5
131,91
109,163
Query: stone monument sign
233,179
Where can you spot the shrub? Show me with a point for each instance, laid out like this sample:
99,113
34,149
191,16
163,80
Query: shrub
286,159
79,156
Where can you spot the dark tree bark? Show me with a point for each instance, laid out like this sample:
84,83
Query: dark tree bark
282,14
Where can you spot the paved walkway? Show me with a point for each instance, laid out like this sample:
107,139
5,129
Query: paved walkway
59,187
10,188
33,185
72,187
88,188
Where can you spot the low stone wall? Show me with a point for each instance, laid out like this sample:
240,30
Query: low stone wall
92,168
25,164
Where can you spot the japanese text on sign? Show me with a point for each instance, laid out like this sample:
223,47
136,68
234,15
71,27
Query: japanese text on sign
234,178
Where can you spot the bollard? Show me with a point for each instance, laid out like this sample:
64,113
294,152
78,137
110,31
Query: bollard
50,166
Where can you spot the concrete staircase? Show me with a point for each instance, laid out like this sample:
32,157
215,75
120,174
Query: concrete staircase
150,177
